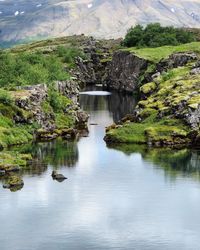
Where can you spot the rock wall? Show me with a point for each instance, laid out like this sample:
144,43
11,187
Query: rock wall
124,71
31,99
92,69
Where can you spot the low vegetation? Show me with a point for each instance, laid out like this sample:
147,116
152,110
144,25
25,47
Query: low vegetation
156,54
28,68
40,62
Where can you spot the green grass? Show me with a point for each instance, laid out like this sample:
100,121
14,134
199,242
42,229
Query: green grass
149,130
14,136
156,54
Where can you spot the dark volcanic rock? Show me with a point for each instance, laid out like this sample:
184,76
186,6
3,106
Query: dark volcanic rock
58,177
124,71
176,60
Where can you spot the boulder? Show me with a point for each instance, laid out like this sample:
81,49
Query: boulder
195,71
192,117
176,60
81,119
58,177
69,133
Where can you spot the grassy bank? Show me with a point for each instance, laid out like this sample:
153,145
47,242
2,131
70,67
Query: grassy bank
159,53
162,112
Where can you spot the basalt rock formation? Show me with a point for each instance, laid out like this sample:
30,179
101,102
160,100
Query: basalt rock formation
124,71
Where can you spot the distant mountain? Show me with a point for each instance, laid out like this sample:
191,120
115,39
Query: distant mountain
33,19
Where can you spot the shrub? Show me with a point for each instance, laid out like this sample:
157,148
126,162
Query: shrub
30,68
154,35
69,54
57,101
5,97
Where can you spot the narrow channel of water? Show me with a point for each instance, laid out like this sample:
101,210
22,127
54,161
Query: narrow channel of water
126,197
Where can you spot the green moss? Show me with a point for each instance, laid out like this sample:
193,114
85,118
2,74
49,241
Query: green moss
14,136
64,121
105,60
46,107
165,134
58,101
194,101
130,133
148,88
148,112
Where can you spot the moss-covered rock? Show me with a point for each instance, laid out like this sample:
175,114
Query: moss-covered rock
168,113
148,88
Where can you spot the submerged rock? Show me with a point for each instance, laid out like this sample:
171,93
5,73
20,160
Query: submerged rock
58,177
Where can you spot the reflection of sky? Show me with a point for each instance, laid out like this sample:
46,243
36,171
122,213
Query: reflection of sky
110,201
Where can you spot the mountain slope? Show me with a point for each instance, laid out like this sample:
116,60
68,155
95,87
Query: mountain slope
101,18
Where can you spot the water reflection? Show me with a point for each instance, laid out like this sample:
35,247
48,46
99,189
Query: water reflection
114,198
56,153
175,162
117,104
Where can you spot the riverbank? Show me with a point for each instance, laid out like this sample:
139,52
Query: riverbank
168,112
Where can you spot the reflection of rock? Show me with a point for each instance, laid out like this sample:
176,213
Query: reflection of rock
14,182
58,177
174,161
36,167
118,104
56,153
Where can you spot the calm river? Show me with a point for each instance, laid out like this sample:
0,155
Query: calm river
126,197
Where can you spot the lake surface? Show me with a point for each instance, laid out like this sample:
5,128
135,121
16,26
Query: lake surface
124,197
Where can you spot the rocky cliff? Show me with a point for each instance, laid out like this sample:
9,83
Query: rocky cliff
124,71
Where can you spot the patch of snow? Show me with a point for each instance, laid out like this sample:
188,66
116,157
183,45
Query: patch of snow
90,5
38,5
173,10
16,13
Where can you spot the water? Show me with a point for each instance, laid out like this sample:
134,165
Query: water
125,197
